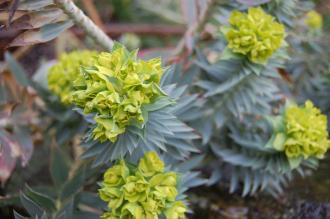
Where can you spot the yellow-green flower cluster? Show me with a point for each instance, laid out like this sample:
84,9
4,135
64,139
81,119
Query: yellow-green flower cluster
62,74
116,87
305,132
142,192
314,20
255,34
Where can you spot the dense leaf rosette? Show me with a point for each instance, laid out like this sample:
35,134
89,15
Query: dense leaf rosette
159,129
116,87
131,193
314,20
254,34
62,74
301,132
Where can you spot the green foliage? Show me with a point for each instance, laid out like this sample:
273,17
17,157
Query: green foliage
321,95
287,11
225,98
241,86
60,200
309,62
239,95
17,70
161,131
248,159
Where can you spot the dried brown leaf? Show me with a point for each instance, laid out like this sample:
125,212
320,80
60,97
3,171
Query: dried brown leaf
12,9
6,110
44,34
37,19
8,158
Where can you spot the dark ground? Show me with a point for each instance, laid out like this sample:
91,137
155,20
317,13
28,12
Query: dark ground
305,198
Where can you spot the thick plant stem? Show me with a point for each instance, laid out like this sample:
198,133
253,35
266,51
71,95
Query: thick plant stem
84,22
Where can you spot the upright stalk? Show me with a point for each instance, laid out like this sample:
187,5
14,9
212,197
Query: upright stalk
70,9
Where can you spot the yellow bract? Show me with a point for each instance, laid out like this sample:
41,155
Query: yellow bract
151,164
255,34
176,211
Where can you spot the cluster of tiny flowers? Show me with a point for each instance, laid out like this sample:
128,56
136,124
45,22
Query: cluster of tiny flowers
314,20
141,192
254,34
306,133
62,74
115,88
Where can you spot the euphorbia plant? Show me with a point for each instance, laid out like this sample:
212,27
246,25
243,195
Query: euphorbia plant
228,96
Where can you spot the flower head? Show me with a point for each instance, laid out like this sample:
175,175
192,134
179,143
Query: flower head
62,74
254,34
314,20
131,194
115,88
304,132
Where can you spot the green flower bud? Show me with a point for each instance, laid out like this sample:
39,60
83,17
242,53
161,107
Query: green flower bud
175,211
164,179
113,196
115,88
67,70
106,129
164,185
116,175
159,200
136,188
150,164
254,34
314,20
152,206
132,211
